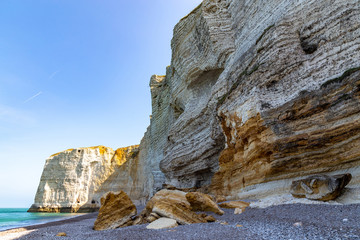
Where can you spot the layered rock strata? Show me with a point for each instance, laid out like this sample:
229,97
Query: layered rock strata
202,43
262,94
293,105
74,180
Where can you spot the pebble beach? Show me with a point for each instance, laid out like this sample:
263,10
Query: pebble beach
290,221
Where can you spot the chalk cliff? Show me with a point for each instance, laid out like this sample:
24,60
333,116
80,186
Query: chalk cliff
74,180
258,93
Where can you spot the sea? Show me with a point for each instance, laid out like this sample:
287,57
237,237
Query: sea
19,217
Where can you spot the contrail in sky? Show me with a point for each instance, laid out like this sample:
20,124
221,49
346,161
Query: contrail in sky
31,98
53,74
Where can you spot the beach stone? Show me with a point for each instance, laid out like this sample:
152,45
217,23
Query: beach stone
235,204
162,223
238,211
61,234
203,202
210,218
298,224
320,187
116,210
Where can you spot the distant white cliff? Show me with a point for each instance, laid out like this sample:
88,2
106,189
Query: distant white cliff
74,180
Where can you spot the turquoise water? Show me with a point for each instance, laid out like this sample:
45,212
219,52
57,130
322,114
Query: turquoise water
18,217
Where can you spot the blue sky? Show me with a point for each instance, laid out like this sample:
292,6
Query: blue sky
76,74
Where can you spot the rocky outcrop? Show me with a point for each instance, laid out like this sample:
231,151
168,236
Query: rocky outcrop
74,180
320,187
116,211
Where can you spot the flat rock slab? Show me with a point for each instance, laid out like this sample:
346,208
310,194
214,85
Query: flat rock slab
320,187
162,223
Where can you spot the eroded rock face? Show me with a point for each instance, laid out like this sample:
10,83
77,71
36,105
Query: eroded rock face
320,187
282,88
116,211
292,105
74,180
202,43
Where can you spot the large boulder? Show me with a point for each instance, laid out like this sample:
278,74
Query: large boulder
173,204
168,195
178,212
116,210
320,187
203,202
